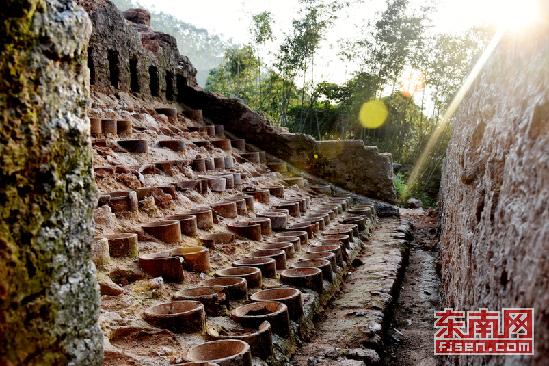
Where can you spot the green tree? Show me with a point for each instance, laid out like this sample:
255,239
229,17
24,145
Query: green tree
236,76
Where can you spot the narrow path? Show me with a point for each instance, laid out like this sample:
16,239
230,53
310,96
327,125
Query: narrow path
351,331
409,340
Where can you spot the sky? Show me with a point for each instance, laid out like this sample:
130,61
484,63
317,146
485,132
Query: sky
232,18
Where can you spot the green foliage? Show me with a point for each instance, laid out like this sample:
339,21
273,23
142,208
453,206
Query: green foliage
261,29
399,180
396,41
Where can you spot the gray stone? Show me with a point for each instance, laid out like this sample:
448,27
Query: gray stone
414,203
495,190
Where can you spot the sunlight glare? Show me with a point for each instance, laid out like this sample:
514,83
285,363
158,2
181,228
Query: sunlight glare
449,113
513,15
411,82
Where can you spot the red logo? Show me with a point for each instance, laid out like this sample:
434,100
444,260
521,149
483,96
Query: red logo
484,332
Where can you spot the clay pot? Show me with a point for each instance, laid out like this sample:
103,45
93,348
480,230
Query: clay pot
225,352
168,230
265,224
304,226
343,239
123,201
197,259
336,249
95,127
163,265
134,146
338,243
123,127
229,162
239,144
323,264
226,209
278,255
354,228
252,157
167,111
252,275
237,178
219,162
292,207
260,339
329,256
123,245
246,229
260,195
287,247
235,288
108,127
211,240
212,298
186,185
358,220
289,296
293,240
198,165
266,265
177,316
216,183
366,211
308,277
210,130
317,220
174,145
252,315
336,230
224,144
204,217
277,191
250,201
241,207
279,220
187,223
303,235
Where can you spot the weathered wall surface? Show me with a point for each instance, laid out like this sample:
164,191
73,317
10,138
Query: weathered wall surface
123,47
495,238
347,163
48,295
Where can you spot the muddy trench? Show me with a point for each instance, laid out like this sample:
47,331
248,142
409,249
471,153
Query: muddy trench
383,314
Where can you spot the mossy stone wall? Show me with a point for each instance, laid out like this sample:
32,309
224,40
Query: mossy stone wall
48,294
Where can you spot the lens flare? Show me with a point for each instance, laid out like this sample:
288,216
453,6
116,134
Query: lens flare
373,114
448,114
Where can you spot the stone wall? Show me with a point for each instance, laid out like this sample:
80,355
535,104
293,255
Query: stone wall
48,292
126,55
347,163
495,231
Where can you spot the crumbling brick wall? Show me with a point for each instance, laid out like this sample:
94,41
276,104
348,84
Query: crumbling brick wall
48,296
126,55
346,163
495,233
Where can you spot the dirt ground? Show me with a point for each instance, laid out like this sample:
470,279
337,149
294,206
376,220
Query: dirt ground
409,341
